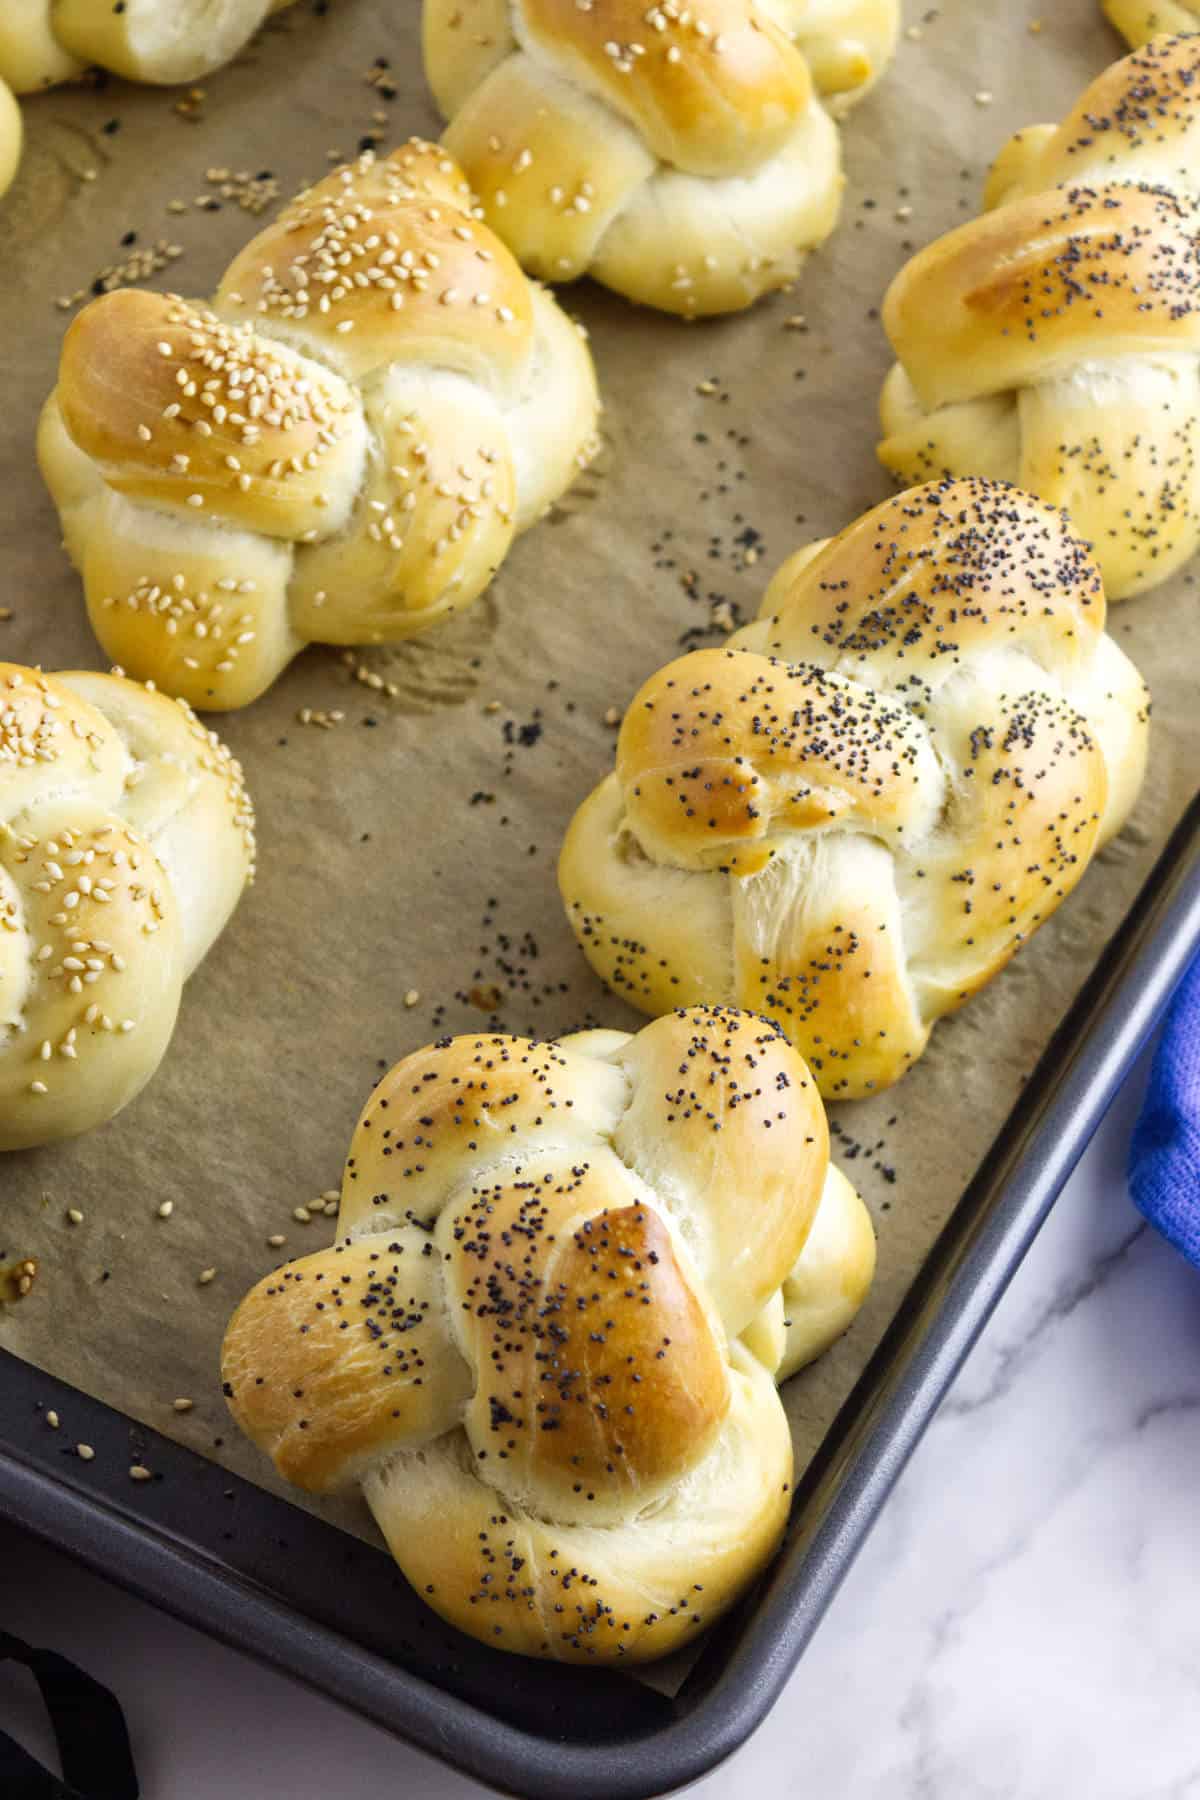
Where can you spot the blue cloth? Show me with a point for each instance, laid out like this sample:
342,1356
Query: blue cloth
1164,1157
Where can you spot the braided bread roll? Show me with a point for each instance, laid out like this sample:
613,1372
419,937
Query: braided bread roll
1056,340
126,838
546,1340
341,449
44,42
681,155
1140,20
851,818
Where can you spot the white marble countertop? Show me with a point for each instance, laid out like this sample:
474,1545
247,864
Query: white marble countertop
1022,1625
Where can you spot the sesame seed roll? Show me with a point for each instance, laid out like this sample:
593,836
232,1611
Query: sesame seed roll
126,839
341,448
681,153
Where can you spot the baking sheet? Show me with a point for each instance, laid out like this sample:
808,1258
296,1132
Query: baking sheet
410,848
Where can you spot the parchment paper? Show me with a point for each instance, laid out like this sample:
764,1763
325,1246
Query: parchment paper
412,846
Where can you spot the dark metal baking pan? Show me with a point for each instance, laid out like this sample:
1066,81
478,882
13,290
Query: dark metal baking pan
263,1575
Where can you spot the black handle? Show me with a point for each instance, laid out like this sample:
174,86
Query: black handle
93,1743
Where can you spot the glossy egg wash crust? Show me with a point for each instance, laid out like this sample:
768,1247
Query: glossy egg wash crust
681,153
126,839
850,819
340,449
1055,341
546,1343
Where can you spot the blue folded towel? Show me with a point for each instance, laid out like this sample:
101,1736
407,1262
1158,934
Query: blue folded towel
1164,1157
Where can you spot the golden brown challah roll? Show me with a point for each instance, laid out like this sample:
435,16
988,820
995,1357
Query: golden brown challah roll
341,449
546,1340
1140,20
43,42
852,818
126,838
681,154
1056,340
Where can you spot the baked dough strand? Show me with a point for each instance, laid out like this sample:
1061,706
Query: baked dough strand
44,42
1141,20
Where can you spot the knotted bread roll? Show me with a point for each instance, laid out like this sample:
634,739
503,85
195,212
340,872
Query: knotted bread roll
126,838
851,818
679,153
341,449
1140,20
546,1340
1056,340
